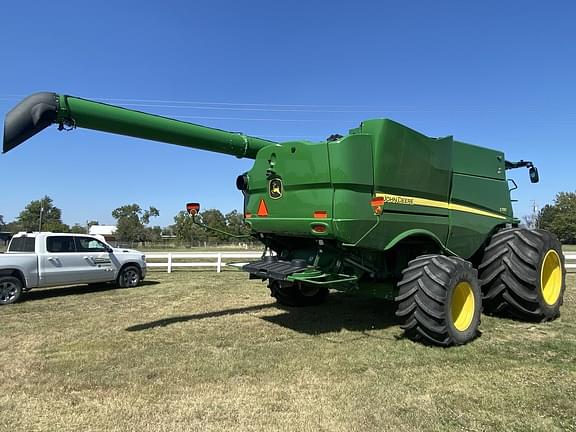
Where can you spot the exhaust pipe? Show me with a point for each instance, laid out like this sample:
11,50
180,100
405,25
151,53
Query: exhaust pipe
32,115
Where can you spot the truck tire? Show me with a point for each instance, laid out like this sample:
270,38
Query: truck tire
10,290
439,300
129,277
522,275
295,294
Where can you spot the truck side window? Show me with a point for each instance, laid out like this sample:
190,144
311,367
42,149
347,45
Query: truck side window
60,244
22,244
87,244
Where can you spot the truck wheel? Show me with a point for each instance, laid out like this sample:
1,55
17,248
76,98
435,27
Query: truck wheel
522,275
129,277
296,294
439,300
10,290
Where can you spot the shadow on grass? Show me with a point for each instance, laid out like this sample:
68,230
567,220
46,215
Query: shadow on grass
45,293
184,318
340,311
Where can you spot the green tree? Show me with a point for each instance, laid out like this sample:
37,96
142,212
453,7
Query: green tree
29,218
186,231
12,227
78,229
130,221
92,223
235,223
214,219
2,223
560,217
153,234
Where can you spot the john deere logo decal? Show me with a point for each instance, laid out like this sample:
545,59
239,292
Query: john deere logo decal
275,188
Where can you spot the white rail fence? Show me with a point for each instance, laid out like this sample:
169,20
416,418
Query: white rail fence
570,262
217,259
172,259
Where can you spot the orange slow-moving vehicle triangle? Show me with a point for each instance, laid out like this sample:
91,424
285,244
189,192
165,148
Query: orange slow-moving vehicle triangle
262,209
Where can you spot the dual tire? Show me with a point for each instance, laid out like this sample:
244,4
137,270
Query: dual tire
523,275
439,300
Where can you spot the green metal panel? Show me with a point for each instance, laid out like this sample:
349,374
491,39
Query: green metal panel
479,161
485,204
391,225
305,173
409,163
353,182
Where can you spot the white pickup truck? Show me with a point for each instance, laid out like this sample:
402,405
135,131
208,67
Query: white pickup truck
35,260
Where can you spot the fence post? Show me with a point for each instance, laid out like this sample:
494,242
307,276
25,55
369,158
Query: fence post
219,266
169,262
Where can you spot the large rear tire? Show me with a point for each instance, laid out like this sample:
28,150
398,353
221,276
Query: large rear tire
439,300
297,294
522,275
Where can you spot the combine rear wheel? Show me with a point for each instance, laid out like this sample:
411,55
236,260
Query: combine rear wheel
439,300
297,294
522,274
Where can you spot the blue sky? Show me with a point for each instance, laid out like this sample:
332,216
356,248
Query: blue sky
493,73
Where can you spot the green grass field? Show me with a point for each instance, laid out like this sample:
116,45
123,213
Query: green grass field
196,350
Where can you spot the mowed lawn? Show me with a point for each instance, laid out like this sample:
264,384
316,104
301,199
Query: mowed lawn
197,350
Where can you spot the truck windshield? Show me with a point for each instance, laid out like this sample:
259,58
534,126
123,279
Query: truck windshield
22,244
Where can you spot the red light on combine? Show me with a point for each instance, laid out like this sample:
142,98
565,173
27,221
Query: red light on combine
320,214
193,208
247,215
319,228
378,201
377,204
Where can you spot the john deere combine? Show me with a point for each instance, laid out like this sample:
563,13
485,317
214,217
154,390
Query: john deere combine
426,222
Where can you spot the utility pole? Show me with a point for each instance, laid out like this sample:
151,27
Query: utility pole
534,214
41,213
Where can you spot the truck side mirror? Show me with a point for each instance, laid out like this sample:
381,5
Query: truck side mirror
193,208
534,177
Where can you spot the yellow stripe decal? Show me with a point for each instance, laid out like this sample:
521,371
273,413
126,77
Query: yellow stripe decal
407,200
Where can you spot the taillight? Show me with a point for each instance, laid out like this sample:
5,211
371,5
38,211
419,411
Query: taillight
319,228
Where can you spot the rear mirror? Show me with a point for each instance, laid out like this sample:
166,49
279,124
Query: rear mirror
193,208
534,177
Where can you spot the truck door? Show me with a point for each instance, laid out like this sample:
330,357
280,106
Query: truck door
100,267
62,264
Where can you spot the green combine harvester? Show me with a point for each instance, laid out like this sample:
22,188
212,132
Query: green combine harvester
425,222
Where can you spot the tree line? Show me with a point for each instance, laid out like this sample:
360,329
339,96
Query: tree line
560,217
132,224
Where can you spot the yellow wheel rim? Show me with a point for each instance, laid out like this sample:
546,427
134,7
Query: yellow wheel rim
551,277
462,306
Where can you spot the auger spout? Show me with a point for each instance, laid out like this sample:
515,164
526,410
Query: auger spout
41,110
